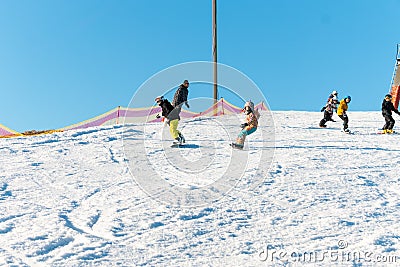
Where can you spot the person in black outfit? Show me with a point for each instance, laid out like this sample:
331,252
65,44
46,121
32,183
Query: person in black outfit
387,108
181,96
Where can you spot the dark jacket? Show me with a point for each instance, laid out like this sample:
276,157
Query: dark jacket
387,108
168,110
180,96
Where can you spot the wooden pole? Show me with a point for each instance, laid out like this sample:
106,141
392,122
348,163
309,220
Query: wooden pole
214,30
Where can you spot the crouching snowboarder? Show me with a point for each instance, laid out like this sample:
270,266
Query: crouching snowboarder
249,127
171,115
387,108
329,108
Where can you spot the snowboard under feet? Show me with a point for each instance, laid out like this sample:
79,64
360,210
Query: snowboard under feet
347,131
236,146
177,145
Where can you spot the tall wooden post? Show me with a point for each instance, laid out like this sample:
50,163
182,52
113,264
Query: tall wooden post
214,30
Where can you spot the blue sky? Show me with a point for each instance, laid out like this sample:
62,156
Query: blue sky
64,61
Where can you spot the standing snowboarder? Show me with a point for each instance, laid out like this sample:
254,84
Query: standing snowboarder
342,113
387,108
169,113
180,98
249,127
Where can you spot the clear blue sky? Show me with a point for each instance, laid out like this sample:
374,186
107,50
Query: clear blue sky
64,61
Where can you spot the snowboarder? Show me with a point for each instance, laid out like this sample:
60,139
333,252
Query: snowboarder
181,96
387,108
342,113
249,127
333,97
329,108
172,118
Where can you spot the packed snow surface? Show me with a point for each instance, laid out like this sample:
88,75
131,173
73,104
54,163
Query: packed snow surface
80,198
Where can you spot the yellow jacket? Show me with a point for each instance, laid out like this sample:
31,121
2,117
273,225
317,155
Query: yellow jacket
342,108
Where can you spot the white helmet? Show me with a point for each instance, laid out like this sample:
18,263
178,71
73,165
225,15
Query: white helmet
249,104
158,98
334,92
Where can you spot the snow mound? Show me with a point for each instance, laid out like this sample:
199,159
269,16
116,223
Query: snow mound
75,199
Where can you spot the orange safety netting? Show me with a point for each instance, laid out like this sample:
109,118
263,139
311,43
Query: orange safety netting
7,132
395,92
395,89
122,115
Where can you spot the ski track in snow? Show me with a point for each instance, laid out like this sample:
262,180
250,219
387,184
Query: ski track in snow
68,199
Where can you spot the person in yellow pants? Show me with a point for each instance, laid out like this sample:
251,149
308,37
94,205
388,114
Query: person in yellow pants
173,129
172,115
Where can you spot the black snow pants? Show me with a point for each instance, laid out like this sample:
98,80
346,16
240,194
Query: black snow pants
327,117
345,121
389,122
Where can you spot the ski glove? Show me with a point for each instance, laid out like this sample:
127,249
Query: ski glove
243,125
186,103
322,109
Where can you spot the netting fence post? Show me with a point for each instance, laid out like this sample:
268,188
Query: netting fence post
117,122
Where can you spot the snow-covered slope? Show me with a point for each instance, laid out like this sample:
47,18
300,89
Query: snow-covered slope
80,198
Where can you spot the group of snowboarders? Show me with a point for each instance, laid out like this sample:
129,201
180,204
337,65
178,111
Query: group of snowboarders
170,113
341,110
340,107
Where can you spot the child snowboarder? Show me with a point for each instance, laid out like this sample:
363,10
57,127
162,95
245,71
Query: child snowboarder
328,112
387,108
172,117
334,97
341,111
329,108
249,127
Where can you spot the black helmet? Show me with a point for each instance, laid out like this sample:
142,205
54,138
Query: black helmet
389,96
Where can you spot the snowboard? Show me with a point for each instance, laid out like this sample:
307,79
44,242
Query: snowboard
347,132
236,146
177,145
386,133
180,145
